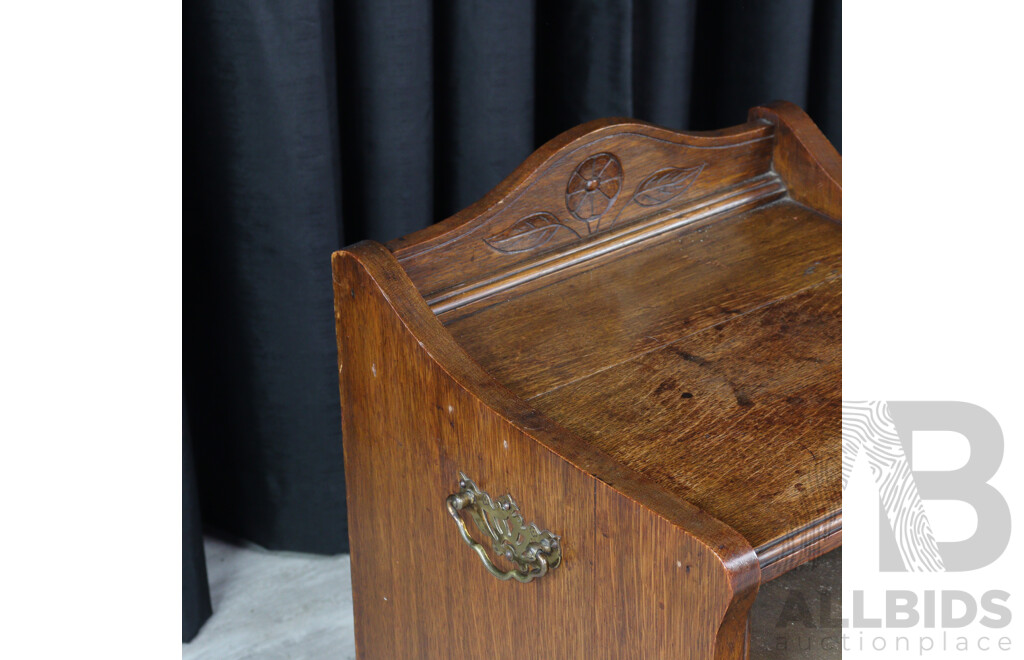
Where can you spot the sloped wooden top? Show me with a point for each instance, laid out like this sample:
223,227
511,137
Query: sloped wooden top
682,314
709,362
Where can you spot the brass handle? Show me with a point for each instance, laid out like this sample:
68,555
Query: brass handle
534,551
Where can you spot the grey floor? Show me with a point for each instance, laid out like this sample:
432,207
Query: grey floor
286,605
274,605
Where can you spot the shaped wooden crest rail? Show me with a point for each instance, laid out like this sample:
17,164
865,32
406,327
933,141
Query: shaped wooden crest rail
609,183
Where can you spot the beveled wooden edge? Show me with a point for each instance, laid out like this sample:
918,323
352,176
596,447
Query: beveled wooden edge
804,158
551,151
733,551
800,546
812,169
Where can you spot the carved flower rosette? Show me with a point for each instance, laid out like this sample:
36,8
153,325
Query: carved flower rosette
593,188
591,192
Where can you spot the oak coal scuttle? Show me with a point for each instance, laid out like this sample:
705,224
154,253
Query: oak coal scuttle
590,414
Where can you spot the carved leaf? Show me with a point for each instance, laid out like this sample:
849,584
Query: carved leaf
528,233
664,185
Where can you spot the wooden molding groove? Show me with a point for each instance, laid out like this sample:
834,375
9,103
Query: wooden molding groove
792,550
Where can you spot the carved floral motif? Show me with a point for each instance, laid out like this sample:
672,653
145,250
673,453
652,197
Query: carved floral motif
665,185
529,233
593,186
591,191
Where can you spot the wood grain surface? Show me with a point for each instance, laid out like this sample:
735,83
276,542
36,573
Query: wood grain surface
643,573
574,322
741,419
709,360
637,335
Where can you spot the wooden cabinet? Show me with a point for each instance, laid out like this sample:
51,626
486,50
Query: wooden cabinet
637,336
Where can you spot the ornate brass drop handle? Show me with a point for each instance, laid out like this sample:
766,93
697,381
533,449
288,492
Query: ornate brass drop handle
534,551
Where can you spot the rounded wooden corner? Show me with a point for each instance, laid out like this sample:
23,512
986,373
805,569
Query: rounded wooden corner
809,164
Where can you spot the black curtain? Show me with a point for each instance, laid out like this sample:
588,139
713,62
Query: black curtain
312,124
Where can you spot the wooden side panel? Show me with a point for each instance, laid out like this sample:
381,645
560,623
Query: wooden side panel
653,596
806,160
643,575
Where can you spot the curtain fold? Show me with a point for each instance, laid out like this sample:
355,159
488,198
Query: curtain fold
386,83
584,63
665,41
313,124
195,597
484,97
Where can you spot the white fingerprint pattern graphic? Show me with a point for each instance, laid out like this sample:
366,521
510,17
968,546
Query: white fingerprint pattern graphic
867,425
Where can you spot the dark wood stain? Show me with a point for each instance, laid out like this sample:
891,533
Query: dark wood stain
573,324
637,335
732,450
